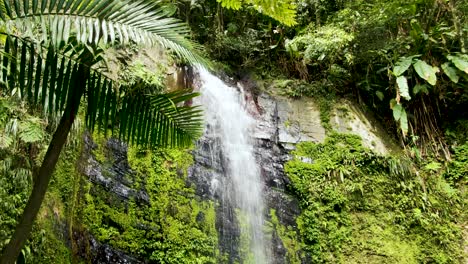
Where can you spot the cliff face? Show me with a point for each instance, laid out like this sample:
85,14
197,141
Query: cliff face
281,123
135,206
333,193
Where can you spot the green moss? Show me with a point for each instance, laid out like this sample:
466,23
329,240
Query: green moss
245,240
47,244
100,154
175,227
55,219
457,171
358,207
289,238
380,242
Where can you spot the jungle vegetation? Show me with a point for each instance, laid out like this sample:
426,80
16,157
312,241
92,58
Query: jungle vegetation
405,61
50,62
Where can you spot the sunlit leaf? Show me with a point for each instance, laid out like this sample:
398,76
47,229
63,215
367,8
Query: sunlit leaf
31,130
450,72
402,65
5,141
403,87
142,22
433,166
461,62
283,11
404,122
399,114
397,110
426,71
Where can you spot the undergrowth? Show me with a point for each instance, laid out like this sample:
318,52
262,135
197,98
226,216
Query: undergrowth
359,207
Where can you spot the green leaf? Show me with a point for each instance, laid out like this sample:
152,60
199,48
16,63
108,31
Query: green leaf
26,6
426,71
403,87
433,166
5,141
23,68
17,7
50,70
461,62
31,131
140,21
404,122
35,5
397,109
420,88
379,95
231,4
402,65
283,11
450,72
399,114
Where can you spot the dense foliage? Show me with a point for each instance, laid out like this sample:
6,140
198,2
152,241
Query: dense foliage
24,139
51,60
174,227
361,206
405,59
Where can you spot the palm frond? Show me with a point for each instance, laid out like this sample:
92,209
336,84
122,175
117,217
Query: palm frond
46,79
41,76
91,21
142,119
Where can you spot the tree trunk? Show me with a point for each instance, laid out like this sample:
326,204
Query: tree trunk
42,178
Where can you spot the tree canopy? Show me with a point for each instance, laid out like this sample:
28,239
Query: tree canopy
283,11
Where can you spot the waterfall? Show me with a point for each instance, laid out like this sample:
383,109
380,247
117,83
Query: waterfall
229,125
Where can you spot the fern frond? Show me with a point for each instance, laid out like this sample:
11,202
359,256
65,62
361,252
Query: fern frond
31,130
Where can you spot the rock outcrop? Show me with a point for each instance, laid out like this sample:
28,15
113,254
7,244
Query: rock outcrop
280,124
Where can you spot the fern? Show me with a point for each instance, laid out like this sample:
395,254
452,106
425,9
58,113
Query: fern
283,11
31,130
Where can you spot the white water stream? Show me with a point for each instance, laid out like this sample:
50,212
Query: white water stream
228,120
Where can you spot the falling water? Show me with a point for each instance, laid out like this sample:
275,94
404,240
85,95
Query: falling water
228,121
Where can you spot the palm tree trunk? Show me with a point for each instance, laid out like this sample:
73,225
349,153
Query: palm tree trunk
42,178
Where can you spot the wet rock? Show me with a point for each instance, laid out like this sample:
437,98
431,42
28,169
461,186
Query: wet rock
92,251
348,118
290,121
208,176
104,254
115,176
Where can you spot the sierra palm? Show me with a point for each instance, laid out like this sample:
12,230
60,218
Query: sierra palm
50,59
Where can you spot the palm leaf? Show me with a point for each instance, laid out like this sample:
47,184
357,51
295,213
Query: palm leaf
45,70
142,21
40,35
143,119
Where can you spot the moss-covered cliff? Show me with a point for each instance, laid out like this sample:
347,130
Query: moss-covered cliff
85,219
336,201
360,207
